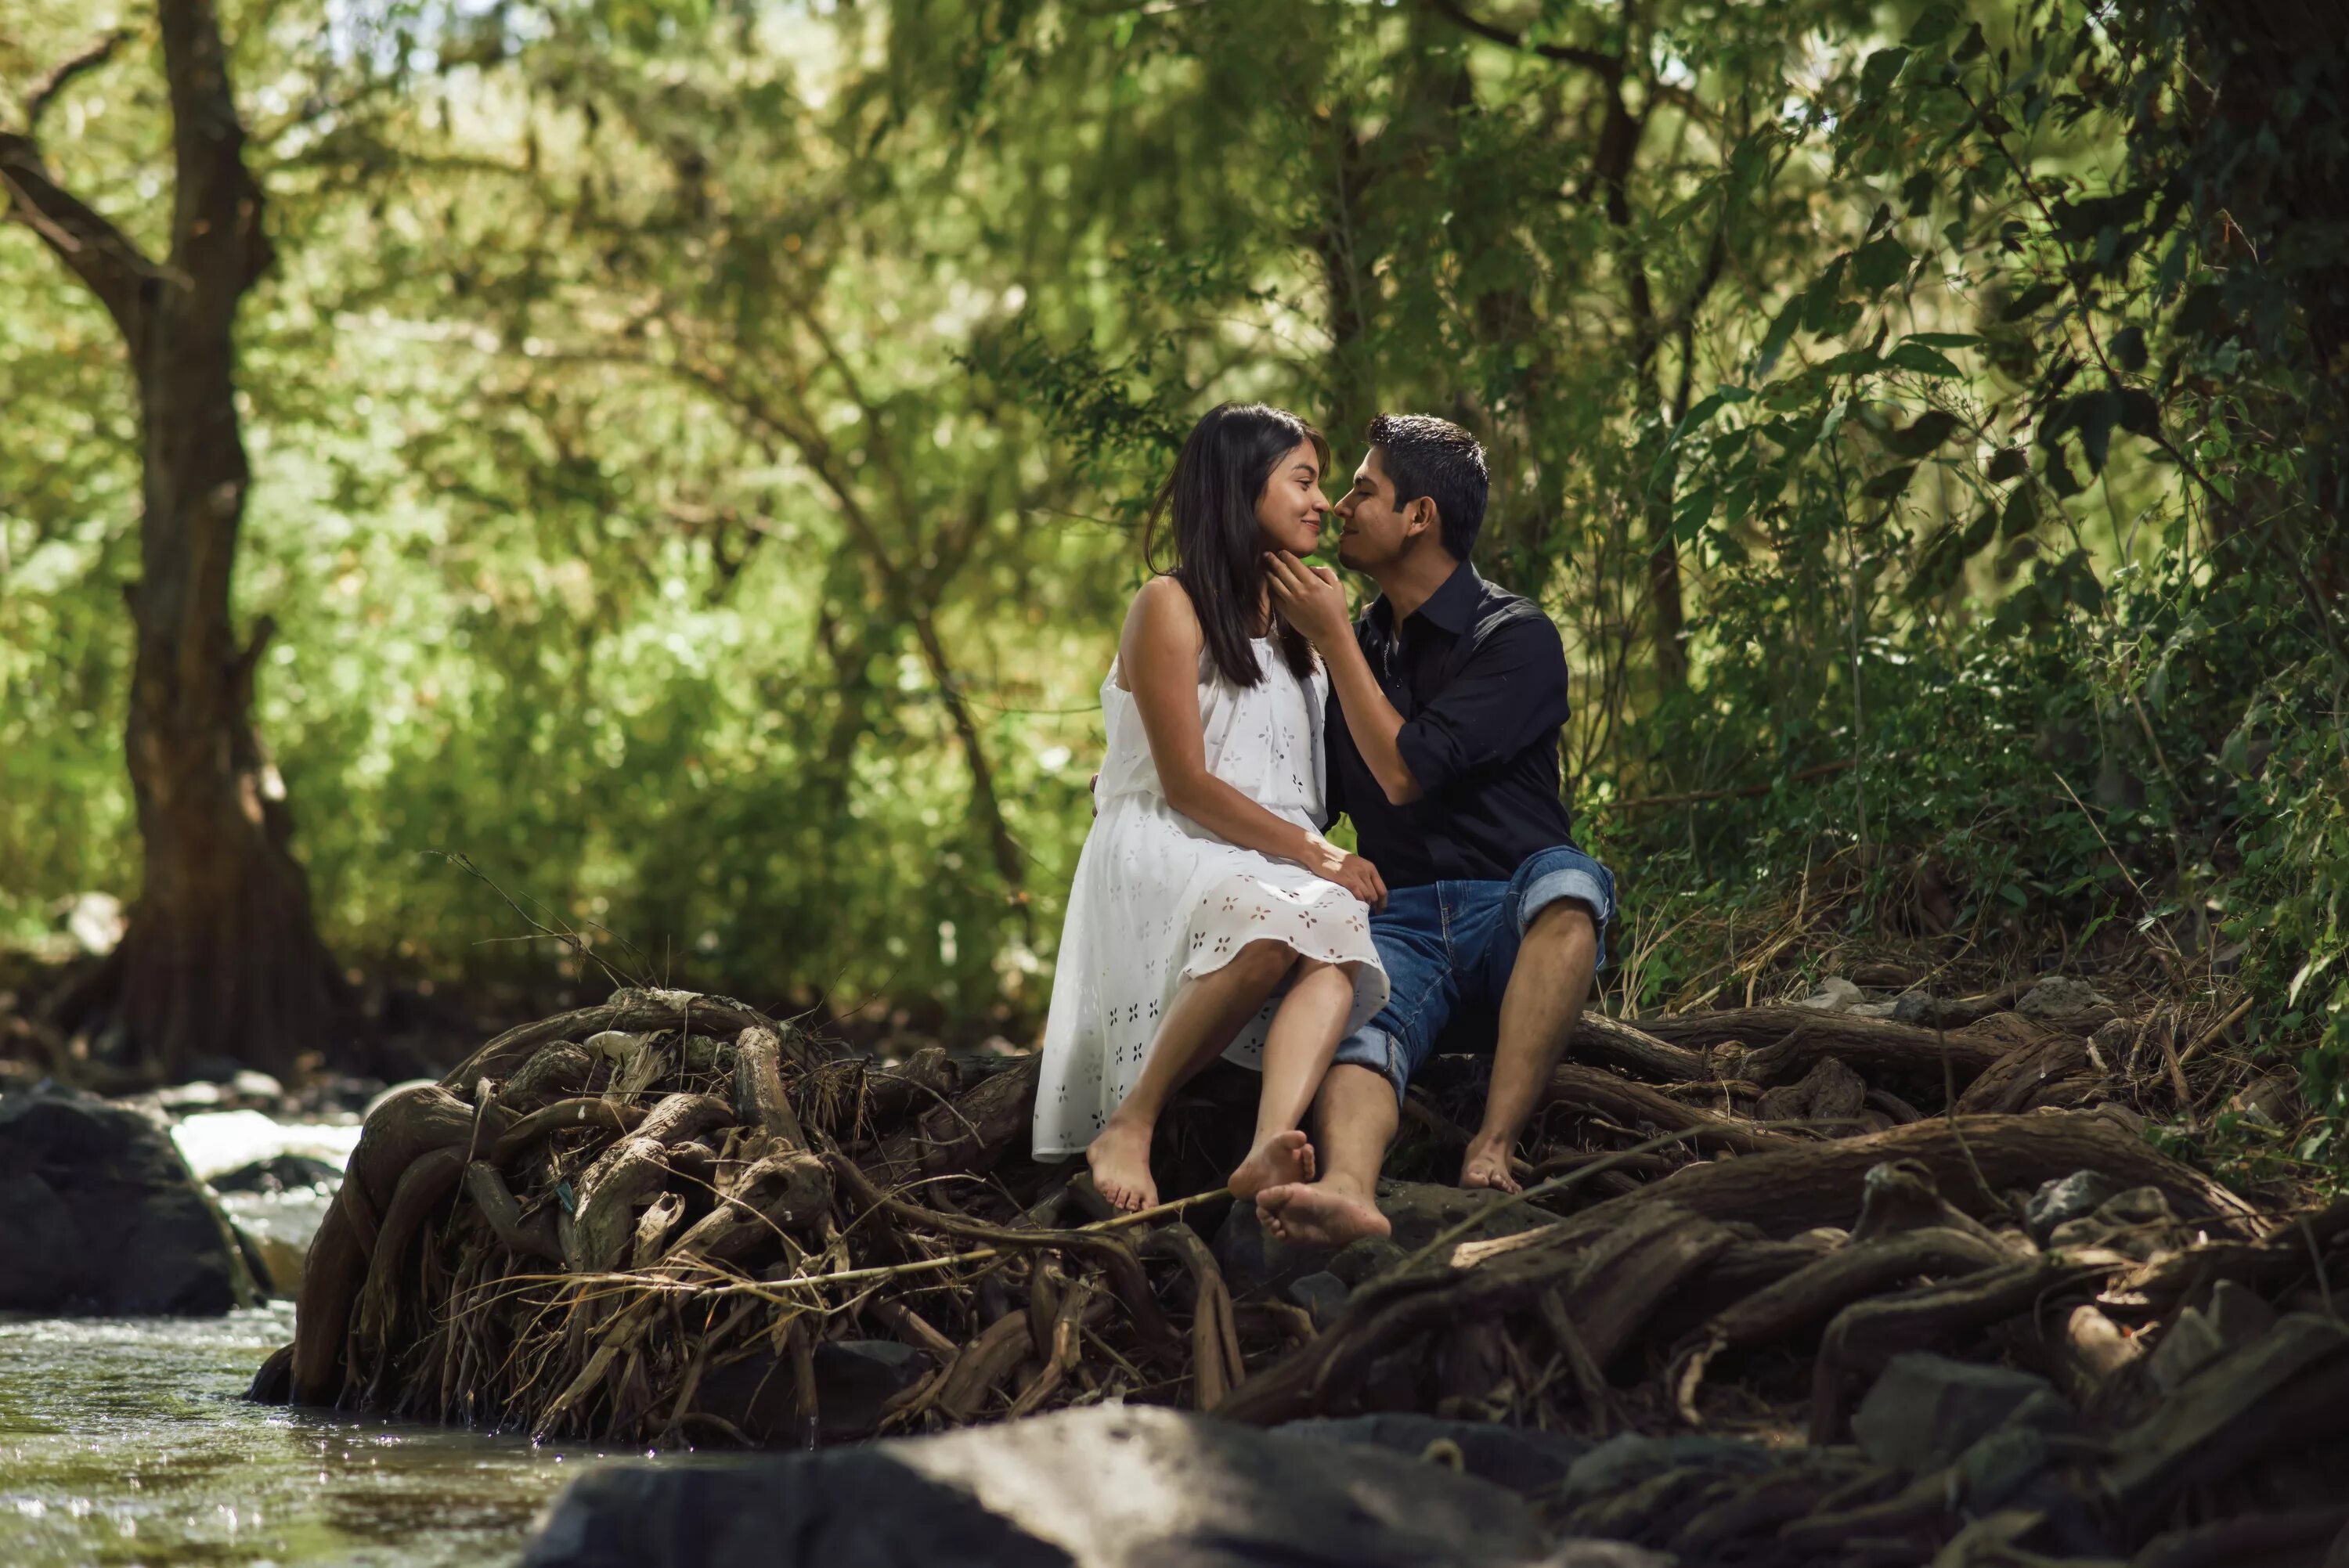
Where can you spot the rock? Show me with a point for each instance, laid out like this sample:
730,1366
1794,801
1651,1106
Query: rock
1834,995
1926,1409
2000,1464
2198,1335
2137,1223
1917,1007
276,1206
1100,1487
1421,1210
1874,1009
1358,1261
1322,1294
2065,1199
184,1097
247,1084
1928,1011
1829,1092
99,1214
2109,1046
2060,996
1586,1554
275,1262
1518,1457
2270,1100
855,1378
279,1173
1621,1463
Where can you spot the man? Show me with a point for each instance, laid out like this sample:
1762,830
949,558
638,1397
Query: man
1446,700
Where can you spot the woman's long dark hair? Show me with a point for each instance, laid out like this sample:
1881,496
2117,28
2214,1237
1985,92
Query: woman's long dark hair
1219,548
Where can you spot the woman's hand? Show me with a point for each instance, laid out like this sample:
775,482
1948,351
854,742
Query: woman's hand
1355,874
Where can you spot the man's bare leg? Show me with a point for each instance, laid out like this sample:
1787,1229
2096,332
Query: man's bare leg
1206,1011
1539,1012
1354,1120
1296,1050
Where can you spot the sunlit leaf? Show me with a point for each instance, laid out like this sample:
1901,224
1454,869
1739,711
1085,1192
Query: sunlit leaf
1925,360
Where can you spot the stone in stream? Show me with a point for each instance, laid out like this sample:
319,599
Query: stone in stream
279,1173
1100,1487
99,1214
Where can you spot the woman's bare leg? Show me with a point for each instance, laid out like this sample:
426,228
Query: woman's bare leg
1206,1011
1296,1050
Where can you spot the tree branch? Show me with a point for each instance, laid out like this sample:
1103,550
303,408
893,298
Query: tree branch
1610,66
104,258
1685,335
46,91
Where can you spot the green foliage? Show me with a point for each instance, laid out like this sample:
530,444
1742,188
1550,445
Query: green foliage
699,446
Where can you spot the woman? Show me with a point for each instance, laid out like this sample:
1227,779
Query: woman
1209,915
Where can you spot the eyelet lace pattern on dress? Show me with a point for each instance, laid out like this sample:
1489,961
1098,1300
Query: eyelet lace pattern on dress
1157,898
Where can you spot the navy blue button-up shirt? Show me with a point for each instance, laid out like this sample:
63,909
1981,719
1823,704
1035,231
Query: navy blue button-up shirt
1479,677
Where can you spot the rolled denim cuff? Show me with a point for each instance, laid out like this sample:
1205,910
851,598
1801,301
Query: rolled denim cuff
1574,883
1378,1051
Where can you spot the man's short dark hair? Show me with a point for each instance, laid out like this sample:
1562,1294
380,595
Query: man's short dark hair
1425,456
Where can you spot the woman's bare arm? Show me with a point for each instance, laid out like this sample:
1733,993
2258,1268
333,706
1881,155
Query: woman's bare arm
1158,661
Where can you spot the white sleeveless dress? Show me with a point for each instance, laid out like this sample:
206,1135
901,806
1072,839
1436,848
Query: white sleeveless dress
1158,898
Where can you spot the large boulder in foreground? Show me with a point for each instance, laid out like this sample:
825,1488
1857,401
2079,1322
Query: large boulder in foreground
1103,1487
99,1214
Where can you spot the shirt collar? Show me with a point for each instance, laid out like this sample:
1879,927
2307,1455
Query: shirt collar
1452,607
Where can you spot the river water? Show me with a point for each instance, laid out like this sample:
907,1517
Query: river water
127,1442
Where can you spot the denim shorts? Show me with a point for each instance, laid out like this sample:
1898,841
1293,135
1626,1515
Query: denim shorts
1449,947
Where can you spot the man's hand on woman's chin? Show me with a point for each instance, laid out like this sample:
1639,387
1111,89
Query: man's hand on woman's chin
1309,598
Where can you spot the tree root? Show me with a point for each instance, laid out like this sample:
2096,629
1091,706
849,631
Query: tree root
666,1217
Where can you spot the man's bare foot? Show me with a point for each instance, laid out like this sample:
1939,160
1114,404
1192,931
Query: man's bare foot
1486,1164
1276,1161
1318,1215
1120,1158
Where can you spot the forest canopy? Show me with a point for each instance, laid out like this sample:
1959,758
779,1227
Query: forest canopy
697,451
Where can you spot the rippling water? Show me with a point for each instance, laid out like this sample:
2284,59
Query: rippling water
127,1442
124,1441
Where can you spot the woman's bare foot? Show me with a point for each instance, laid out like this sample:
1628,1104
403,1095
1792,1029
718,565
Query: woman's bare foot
1486,1164
1322,1214
1276,1162
1120,1158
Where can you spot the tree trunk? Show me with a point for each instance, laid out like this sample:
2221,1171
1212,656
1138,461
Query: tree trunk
222,956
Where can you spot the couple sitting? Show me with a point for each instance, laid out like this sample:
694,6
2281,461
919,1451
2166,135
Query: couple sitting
1246,712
